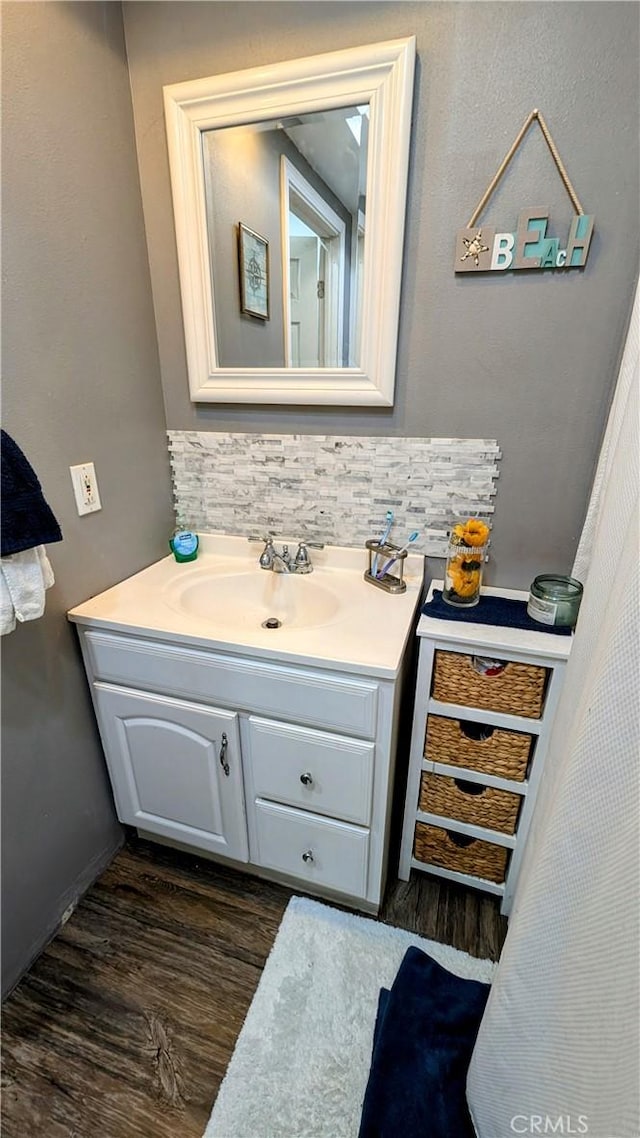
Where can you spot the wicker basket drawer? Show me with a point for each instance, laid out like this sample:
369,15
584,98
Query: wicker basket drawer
460,853
517,690
461,743
469,802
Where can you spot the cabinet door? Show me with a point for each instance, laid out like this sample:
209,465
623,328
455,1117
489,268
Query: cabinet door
175,768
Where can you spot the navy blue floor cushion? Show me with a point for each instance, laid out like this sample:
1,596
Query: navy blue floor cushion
425,1031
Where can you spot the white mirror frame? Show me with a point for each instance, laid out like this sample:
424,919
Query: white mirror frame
378,74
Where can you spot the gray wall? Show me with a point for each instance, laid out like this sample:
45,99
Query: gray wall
527,359
243,184
247,190
81,382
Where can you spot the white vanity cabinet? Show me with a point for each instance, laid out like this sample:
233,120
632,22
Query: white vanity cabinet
279,767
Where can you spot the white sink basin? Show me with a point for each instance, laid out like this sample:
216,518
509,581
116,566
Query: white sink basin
330,617
249,599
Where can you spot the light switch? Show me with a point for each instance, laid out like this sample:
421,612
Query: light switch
85,488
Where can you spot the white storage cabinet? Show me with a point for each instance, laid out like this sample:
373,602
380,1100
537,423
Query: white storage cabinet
474,769
282,769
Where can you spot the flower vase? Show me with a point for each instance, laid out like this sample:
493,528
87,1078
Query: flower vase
465,561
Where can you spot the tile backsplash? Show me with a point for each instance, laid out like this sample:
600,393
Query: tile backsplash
332,488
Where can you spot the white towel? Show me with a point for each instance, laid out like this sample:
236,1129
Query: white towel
24,577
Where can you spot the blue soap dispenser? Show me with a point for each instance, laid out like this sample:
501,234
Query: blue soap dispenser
184,545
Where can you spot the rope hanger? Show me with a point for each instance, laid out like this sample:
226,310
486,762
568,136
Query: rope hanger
535,116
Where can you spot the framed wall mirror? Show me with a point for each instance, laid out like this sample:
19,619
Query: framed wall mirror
289,188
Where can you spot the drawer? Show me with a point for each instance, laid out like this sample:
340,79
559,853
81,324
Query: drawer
518,689
469,802
314,849
460,853
322,699
313,770
478,746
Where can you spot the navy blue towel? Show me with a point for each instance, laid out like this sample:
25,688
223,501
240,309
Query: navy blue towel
425,1033
503,611
27,520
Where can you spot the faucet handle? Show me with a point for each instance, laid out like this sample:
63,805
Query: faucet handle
303,561
268,554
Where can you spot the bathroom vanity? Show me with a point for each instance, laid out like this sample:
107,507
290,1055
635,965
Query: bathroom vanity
272,749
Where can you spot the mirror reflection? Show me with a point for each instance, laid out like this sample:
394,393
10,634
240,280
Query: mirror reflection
286,210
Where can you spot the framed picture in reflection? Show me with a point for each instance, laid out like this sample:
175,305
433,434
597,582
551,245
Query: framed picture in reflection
253,256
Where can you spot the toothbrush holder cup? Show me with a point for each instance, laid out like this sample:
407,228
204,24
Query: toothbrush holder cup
379,556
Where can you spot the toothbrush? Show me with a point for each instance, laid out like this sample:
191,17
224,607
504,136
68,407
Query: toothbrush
385,534
385,568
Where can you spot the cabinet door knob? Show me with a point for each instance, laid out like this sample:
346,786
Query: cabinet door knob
308,856
224,743
306,779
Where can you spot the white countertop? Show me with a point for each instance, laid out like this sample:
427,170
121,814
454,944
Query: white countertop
465,633
216,602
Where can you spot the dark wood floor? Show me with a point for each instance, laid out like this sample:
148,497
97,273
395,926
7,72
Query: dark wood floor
124,1026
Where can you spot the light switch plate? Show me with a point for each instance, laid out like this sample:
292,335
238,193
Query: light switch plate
85,488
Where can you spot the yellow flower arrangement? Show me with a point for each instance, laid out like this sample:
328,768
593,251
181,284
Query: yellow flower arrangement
475,532
472,534
464,569
465,584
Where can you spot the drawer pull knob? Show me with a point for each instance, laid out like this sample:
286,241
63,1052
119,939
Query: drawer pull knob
223,753
308,857
306,779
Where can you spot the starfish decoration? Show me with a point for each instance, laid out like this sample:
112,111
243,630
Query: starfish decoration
474,247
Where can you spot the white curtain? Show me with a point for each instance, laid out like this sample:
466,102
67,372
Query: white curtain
558,1050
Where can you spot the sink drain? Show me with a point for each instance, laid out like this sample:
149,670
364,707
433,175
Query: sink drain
272,622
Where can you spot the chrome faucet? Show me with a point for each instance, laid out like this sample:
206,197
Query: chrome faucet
281,562
284,562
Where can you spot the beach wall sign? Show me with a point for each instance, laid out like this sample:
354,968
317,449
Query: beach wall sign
482,248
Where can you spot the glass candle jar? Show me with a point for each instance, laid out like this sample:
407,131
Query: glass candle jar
463,574
555,600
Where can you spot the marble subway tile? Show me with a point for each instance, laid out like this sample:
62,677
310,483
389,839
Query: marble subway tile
334,488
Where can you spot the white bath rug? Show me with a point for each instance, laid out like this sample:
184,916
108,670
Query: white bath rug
301,1062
